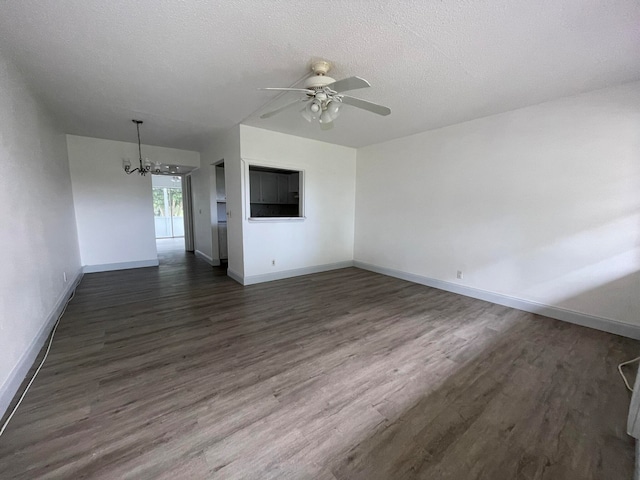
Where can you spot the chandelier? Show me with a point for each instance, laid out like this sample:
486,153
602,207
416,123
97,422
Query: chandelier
145,167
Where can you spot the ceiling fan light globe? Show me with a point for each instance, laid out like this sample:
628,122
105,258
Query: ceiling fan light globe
326,117
312,110
334,109
306,115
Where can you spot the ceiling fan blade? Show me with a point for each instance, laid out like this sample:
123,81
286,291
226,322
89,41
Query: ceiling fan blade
372,107
304,90
351,83
284,107
326,126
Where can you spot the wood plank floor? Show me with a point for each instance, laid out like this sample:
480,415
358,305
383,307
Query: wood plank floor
178,372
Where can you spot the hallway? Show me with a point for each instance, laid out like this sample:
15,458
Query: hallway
171,250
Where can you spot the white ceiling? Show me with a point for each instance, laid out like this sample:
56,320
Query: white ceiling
189,68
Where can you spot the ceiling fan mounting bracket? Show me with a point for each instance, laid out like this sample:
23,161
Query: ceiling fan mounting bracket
320,67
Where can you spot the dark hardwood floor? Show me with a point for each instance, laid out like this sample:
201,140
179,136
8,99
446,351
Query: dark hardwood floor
179,372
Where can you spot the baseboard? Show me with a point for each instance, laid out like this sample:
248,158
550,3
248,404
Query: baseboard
11,386
269,277
599,323
108,267
235,276
207,258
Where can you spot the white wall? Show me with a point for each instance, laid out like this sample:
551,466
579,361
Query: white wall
114,211
224,146
201,194
540,204
325,237
38,233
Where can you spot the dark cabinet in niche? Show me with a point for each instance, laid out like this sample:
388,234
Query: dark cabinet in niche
269,187
283,188
274,192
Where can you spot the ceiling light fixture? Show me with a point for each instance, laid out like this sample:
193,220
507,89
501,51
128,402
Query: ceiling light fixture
324,97
145,167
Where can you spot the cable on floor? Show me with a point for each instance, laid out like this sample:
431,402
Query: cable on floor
46,353
622,373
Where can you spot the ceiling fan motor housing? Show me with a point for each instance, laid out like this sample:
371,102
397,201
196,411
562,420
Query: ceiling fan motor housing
320,79
317,82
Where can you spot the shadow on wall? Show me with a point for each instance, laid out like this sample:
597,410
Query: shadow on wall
542,241
618,299
595,271
562,265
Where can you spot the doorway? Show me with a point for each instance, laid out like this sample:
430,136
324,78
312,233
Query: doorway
168,209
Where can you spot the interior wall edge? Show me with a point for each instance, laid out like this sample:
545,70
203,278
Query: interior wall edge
11,386
210,260
235,276
599,323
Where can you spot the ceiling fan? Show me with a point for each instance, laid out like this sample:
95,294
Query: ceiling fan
324,98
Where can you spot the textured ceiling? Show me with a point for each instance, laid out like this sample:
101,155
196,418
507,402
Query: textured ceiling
190,68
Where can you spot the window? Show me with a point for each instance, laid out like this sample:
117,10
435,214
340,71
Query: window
167,210
275,192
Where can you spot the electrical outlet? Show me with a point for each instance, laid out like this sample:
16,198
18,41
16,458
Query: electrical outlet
273,263
460,275
64,276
